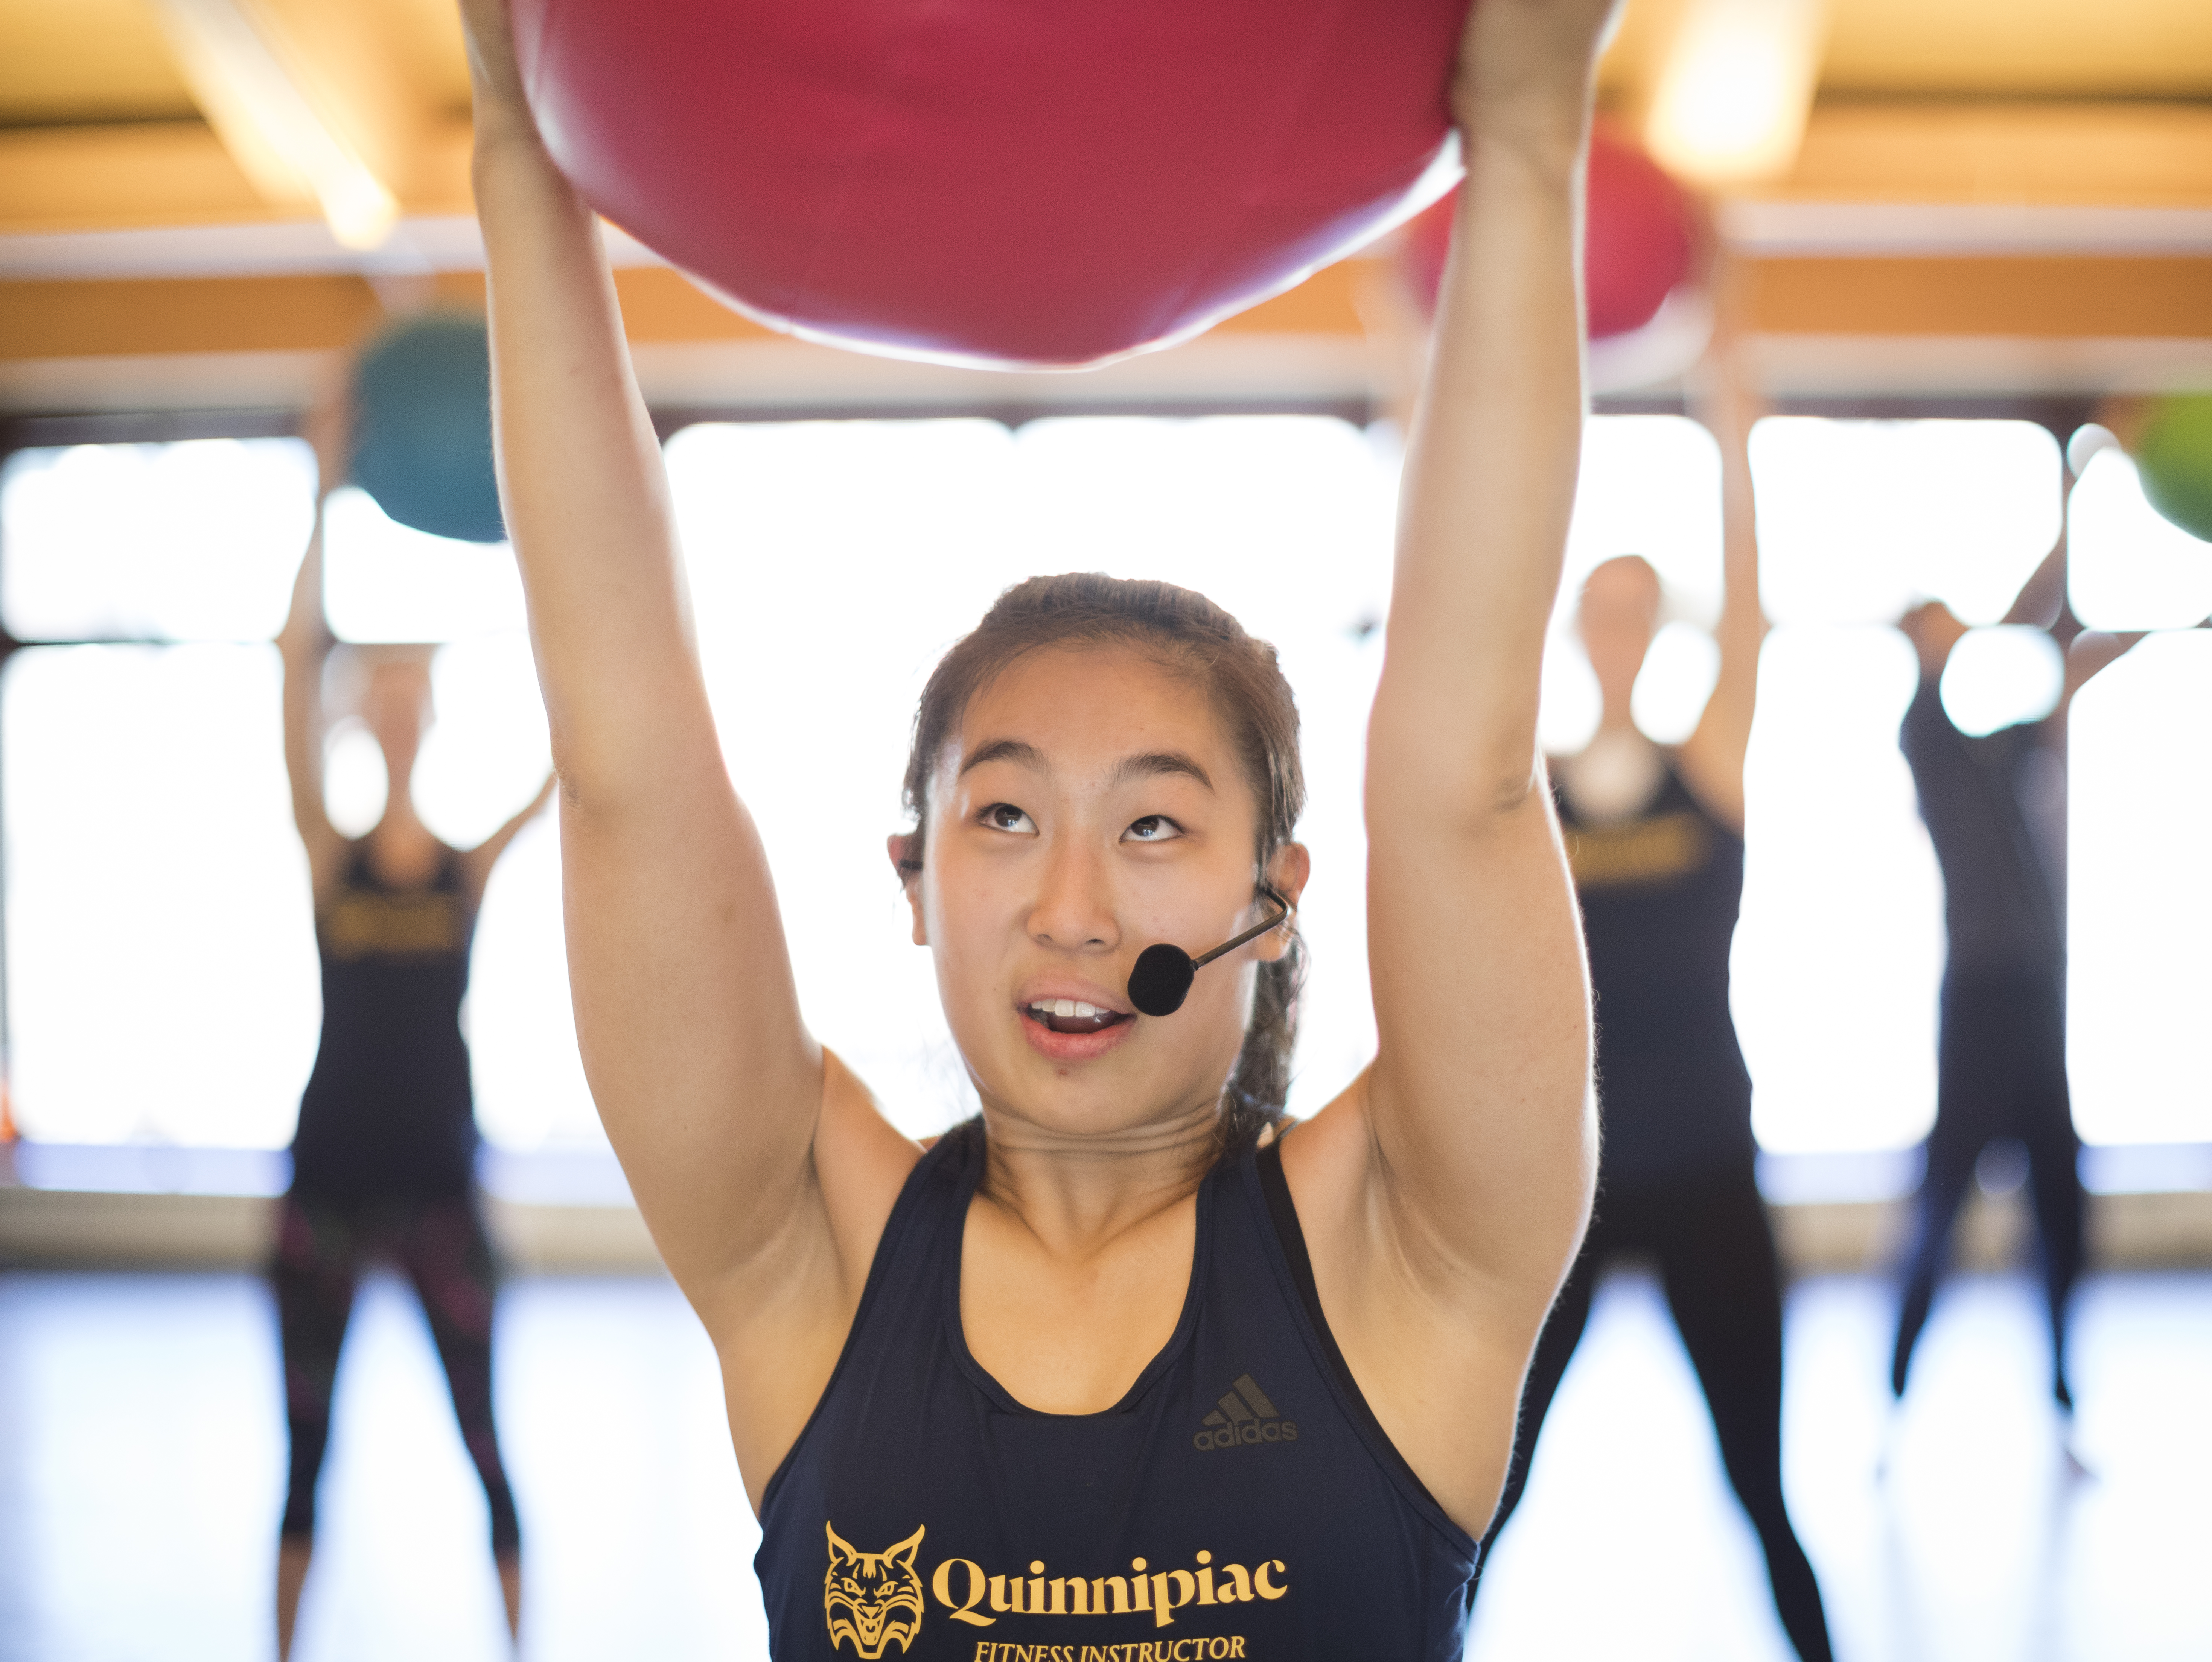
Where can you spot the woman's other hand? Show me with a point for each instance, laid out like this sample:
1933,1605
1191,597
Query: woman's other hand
495,77
1525,68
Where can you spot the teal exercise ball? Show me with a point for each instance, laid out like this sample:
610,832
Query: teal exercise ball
2173,455
422,426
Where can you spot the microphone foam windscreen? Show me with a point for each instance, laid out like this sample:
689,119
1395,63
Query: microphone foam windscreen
1161,980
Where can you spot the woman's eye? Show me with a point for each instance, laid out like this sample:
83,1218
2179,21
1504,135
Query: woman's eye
1153,827
1005,816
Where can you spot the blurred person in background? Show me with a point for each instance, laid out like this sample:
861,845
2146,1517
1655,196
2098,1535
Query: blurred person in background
1655,836
384,1159
1996,810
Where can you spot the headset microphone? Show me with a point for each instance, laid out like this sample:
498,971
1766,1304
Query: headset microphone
1161,980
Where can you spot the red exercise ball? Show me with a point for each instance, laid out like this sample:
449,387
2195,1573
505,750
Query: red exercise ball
1636,245
995,181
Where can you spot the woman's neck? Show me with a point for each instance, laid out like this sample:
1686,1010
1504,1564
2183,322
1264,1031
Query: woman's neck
399,824
1077,1191
401,847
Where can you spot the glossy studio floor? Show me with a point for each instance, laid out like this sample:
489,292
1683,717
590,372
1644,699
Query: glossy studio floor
141,1453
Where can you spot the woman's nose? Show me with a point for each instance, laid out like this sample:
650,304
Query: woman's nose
1074,905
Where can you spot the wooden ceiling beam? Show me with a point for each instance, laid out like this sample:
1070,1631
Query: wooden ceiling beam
171,174
138,175
2116,154
2016,298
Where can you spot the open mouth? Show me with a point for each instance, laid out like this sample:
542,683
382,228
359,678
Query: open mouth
1071,1016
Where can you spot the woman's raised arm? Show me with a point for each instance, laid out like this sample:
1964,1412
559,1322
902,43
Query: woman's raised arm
711,1088
1446,1196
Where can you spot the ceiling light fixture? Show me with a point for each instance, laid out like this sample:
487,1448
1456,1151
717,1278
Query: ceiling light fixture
271,123
1733,88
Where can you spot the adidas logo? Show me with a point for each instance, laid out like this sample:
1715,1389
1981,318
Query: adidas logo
1245,1416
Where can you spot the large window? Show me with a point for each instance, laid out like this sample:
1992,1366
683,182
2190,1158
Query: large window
161,957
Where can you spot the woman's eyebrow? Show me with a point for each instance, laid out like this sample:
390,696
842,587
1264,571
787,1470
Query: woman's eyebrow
1156,763
1015,750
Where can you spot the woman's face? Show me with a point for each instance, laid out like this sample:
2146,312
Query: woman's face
396,706
1619,614
1090,805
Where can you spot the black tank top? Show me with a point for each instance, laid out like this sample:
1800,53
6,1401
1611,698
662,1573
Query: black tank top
1239,1501
1660,893
2001,914
388,1110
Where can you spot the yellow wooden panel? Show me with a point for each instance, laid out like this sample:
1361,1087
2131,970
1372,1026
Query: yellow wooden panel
165,173
217,314
86,60
2041,299
2118,153
86,178
425,40
2036,299
2110,48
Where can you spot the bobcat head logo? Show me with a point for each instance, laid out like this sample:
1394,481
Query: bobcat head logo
873,1598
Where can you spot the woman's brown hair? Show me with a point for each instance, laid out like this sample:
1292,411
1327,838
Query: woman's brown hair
1188,635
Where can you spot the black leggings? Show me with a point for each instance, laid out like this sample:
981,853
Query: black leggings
2001,1072
441,1246
1715,1252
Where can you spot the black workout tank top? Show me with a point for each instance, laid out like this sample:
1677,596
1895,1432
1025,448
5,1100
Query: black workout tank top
1239,1501
1660,892
388,1110
2000,913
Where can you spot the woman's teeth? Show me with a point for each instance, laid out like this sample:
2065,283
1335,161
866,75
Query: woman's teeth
1072,1015
1067,1007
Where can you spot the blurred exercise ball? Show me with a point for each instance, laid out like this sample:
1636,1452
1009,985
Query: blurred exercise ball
422,432
1637,247
2173,455
995,181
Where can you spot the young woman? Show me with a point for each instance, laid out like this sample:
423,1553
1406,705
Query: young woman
385,1157
1995,807
1095,1371
1656,839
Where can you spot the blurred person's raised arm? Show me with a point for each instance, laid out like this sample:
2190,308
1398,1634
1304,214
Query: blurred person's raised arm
1712,758
305,646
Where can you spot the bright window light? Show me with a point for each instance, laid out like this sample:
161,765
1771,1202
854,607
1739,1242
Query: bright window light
195,541
162,984
2128,566
383,581
817,595
2001,675
356,786
488,753
1841,943
1675,681
1570,703
2139,908
1650,485
1856,519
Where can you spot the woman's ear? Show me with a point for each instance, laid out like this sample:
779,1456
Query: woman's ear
1287,875
901,846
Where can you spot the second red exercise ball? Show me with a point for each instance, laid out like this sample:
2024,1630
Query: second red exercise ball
995,181
1638,246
